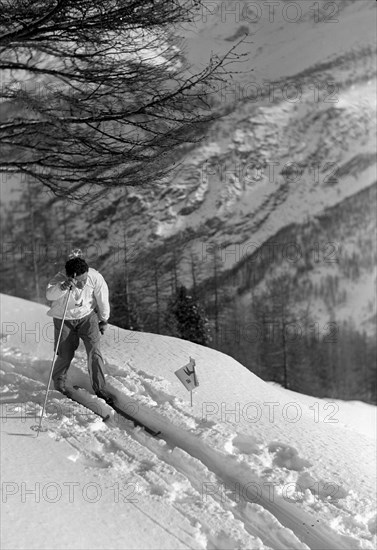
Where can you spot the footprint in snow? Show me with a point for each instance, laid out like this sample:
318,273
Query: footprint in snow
287,457
246,444
322,489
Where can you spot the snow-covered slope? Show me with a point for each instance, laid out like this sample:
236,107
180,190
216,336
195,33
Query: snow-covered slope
248,466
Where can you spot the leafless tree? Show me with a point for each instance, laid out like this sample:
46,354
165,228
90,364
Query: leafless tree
97,93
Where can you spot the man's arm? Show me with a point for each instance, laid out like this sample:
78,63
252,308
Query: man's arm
54,290
101,294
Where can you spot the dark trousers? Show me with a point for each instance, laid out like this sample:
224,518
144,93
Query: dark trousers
86,329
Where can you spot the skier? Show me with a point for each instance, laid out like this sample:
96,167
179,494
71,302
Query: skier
87,313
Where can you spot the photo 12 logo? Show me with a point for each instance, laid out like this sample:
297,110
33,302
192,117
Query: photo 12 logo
266,11
68,492
291,91
256,491
268,171
268,411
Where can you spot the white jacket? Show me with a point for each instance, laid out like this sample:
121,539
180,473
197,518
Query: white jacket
93,297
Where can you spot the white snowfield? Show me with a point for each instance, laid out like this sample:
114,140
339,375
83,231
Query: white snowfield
248,466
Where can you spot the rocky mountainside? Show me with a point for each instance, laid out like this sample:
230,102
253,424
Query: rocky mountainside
298,139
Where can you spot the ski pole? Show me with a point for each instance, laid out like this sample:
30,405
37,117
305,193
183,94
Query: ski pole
38,428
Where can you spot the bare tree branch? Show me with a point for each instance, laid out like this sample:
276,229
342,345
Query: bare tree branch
97,94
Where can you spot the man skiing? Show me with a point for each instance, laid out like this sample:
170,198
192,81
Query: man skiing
87,313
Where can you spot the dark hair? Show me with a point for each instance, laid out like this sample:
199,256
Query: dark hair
76,266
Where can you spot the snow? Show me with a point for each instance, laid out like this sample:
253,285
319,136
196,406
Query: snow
249,465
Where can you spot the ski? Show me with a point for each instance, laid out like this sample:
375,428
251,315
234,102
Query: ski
90,402
106,408
136,422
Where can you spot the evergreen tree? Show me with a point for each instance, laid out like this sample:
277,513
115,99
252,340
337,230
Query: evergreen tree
124,311
186,319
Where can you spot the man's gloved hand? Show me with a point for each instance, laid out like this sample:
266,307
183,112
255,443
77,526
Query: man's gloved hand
65,285
102,325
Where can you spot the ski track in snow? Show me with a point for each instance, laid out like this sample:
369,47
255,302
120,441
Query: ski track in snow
214,490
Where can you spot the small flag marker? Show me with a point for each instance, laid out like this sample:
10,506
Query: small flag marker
187,375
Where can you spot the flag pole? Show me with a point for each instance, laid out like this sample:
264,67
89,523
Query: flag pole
195,379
